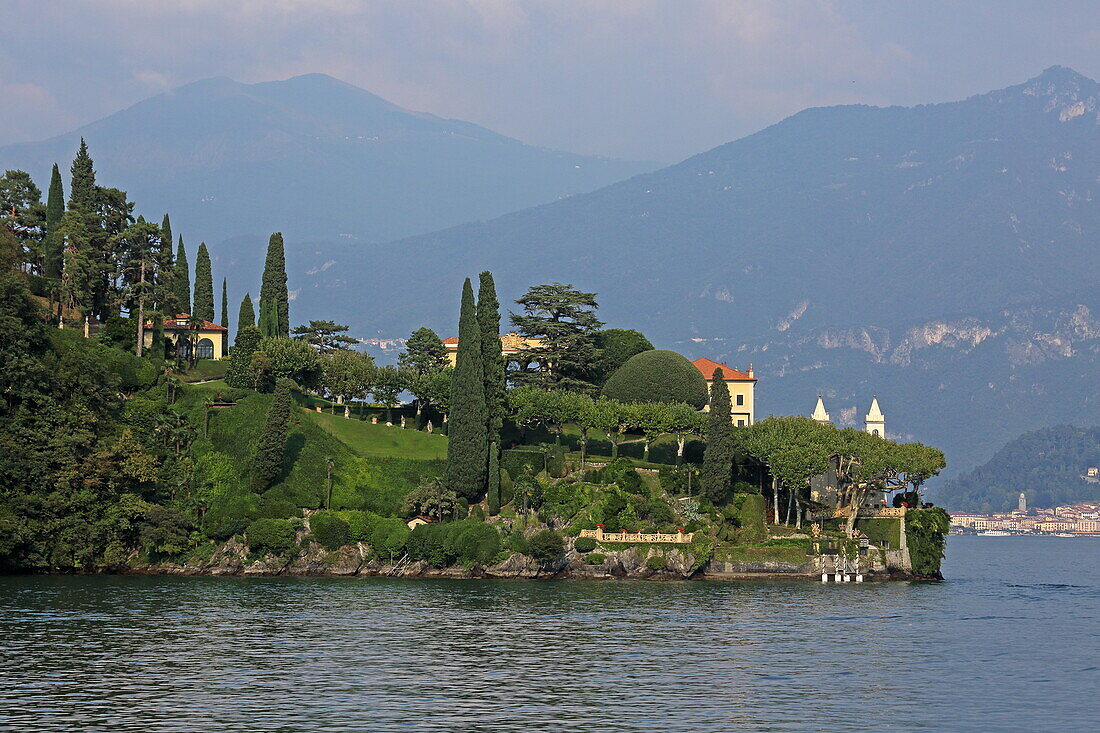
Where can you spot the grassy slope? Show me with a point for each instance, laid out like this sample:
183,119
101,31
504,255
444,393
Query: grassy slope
369,440
374,466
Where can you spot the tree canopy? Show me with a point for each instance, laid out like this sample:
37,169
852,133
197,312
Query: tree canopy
657,376
564,321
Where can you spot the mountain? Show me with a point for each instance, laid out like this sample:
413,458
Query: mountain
1049,466
942,256
312,157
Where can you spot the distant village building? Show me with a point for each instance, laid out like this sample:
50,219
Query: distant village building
510,345
1023,502
742,387
208,339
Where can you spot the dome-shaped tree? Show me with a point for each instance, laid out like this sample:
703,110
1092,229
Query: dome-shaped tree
657,376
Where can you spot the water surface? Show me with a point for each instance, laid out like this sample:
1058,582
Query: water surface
1011,641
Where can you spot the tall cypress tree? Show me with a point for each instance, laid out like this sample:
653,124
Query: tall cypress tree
268,460
167,289
492,361
82,188
714,479
239,373
274,302
183,279
204,286
225,306
246,316
467,447
54,246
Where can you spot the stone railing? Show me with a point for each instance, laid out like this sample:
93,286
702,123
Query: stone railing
600,536
881,512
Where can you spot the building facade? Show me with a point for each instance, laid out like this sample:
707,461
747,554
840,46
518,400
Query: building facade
742,387
510,345
208,340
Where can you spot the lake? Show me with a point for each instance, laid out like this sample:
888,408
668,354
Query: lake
1010,641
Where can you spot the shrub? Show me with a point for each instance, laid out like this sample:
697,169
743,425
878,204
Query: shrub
595,558
274,536
477,513
387,536
506,488
230,515
471,542
360,524
546,546
657,376
518,543
584,544
329,530
425,542
656,562
621,473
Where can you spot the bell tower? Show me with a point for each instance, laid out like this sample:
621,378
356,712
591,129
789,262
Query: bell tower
875,422
820,416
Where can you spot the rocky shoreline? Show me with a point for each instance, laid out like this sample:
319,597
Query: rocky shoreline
233,560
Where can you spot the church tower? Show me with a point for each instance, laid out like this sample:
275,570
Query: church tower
875,422
820,416
1023,502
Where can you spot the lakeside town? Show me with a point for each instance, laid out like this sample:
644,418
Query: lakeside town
1071,520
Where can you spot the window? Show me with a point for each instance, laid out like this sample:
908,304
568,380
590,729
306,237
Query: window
204,349
740,423
740,400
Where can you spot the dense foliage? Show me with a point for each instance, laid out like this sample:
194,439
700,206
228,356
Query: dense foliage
468,447
1047,465
274,319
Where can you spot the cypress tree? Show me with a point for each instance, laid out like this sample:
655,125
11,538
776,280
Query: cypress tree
246,316
492,361
82,193
494,480
225,306
714,479
166,231
204,286
274,302
183,279
240,358
268,460
167,290
54,246
467,447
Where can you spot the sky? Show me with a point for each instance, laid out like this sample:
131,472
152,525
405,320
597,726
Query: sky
653,80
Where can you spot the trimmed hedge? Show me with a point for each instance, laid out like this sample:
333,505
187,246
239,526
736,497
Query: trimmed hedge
329,530
584,544
657,376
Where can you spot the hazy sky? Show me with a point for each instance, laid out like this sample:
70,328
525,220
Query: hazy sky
645,79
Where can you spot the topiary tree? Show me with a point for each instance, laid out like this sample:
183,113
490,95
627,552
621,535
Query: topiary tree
329,530
657,376
615,346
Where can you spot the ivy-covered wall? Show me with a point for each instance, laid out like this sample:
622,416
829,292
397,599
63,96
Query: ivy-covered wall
925,533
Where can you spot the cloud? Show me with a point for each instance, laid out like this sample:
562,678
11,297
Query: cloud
657,79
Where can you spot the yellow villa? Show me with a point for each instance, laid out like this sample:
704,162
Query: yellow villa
209,339
510,344
742,387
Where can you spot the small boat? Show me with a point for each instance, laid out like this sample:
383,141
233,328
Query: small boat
1063,534
994,533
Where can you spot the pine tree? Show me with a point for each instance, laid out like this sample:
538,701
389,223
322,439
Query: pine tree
183,279
467,447
204,286
85,240
268,460
492,361
246,316
239,373
54,246
274,302
225,306
714,479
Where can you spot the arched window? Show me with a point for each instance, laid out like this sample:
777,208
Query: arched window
204,349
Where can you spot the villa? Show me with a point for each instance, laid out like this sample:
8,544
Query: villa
209,338
510,345
742,387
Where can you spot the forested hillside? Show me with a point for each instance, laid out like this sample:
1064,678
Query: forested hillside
1047,465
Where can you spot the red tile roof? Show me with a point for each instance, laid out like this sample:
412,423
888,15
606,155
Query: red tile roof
450,340
170,324
707,366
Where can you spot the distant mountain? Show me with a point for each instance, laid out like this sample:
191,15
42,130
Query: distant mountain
312,157
942,256
1049,466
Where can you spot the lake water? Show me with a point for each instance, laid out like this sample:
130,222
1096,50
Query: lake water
1011,641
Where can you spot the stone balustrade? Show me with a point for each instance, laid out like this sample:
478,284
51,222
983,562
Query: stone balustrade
882,512
635,537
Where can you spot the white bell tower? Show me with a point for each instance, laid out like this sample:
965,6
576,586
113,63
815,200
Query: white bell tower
820,416
875,422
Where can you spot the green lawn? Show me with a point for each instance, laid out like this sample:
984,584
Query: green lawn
205,369
369,440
